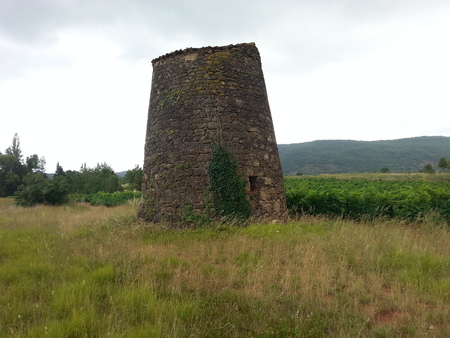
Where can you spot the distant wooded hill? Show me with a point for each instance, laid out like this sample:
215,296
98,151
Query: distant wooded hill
346,156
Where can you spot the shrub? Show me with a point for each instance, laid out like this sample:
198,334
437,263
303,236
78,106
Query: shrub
37,189
112,199
428,169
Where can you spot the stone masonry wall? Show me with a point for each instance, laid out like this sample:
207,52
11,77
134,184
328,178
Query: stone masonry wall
201,97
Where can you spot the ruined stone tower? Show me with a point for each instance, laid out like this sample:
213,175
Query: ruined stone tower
201,97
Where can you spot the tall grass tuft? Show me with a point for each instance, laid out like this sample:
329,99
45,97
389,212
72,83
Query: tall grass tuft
74,270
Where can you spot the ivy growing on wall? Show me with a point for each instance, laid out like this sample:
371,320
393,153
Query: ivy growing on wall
227,188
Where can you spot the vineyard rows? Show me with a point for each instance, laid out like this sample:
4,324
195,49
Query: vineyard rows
358,199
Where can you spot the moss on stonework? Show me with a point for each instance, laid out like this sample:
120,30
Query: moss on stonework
217,56
169,98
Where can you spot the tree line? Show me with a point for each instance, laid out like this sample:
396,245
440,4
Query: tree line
443,164
26,180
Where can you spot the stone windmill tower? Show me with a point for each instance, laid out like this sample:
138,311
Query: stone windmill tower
199,97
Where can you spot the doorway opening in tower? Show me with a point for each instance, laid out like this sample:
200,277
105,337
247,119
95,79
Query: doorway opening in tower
253,180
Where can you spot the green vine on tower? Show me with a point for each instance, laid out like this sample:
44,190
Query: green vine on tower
227,188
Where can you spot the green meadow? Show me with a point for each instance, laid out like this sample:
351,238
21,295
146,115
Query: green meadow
93,271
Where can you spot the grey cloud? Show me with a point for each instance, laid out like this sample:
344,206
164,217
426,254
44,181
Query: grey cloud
304,34
31,21
15,62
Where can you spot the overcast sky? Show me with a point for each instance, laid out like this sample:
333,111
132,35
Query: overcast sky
75,75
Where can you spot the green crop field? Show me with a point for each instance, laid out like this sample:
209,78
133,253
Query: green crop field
95,271
402,196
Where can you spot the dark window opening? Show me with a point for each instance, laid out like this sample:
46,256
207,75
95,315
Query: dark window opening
252,180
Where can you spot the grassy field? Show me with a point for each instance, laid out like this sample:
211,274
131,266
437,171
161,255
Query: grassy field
85,271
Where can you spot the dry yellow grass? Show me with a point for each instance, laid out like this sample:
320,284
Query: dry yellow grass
110,274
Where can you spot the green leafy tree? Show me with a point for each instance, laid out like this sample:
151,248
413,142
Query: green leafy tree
32,162
443,164
9,182
14,149
35,164
13,169
133,178
38,189
11,174
56,191
428,169
105,178
73,179
92,180
59,171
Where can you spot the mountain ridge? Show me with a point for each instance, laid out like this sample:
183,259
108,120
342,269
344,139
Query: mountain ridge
347,156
